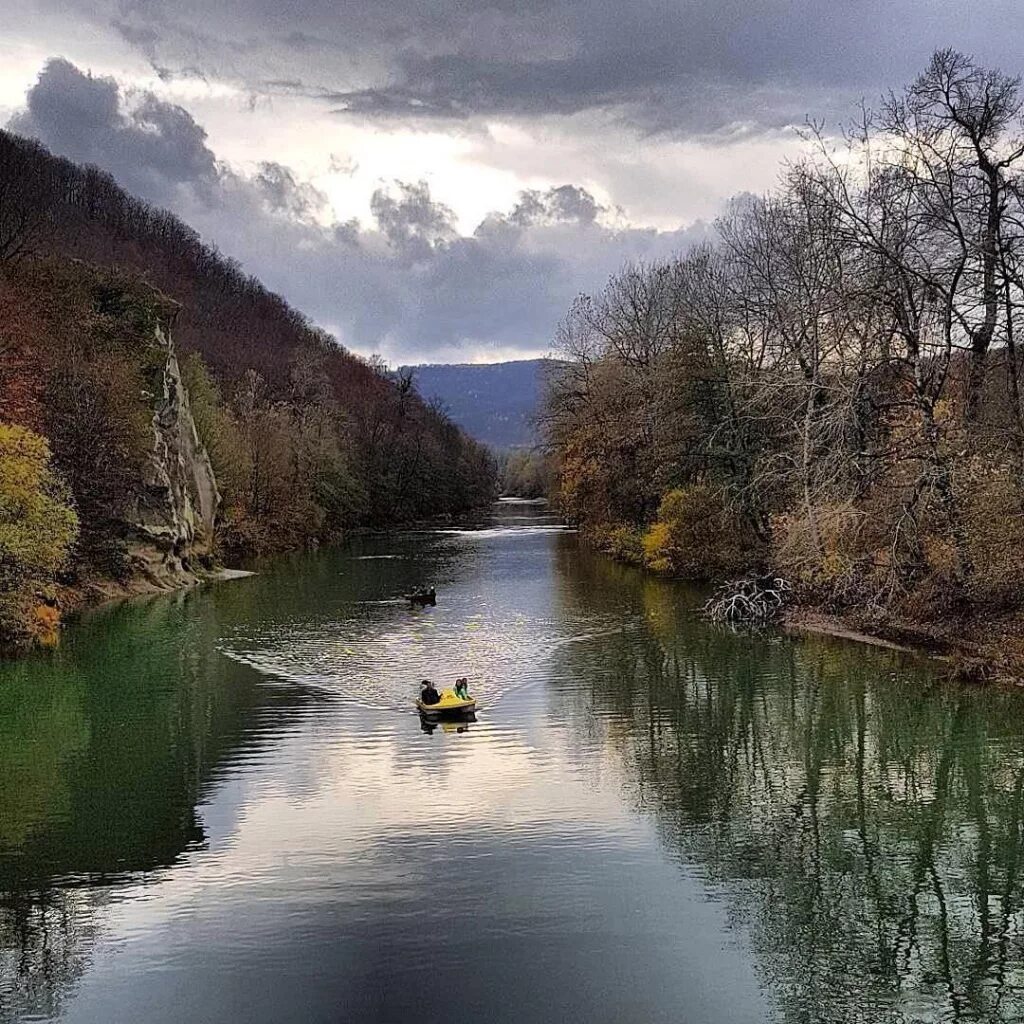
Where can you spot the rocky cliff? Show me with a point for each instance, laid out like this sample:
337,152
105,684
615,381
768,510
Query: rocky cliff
171,526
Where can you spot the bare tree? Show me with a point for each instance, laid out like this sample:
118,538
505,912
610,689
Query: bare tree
24,195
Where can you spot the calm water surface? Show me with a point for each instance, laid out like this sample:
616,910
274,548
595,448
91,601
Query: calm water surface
219,807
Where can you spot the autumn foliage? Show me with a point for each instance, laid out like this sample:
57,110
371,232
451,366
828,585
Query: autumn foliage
306,439
833,387
37,529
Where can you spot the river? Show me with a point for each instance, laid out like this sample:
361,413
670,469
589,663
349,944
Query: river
220,806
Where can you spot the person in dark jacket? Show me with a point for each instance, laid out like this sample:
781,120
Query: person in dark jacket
428,692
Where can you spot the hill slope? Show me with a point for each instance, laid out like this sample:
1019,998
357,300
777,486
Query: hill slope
496,403
252,431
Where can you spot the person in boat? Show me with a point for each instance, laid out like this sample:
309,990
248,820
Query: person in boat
428,692
462,688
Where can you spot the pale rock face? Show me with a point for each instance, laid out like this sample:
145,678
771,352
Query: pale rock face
172,530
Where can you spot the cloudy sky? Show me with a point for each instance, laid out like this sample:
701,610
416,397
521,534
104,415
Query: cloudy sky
434,180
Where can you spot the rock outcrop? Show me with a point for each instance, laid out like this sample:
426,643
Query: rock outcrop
171,530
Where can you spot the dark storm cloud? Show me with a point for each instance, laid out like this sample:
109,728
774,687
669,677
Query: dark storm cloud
685,66
562,203
155,147
408,284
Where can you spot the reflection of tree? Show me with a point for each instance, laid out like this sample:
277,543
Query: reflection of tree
37,739
106,747
45,938
866,827
41,933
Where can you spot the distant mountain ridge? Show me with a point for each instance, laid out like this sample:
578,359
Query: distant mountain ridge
496,403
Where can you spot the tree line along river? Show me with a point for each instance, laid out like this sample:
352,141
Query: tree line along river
220,806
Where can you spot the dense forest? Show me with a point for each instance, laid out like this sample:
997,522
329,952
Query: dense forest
306,439
832,388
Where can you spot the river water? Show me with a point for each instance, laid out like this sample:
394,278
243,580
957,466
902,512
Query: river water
220,806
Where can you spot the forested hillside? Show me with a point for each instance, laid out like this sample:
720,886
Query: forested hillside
832,389
497,403
304,438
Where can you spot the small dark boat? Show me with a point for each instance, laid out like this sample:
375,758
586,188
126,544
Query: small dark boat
422,597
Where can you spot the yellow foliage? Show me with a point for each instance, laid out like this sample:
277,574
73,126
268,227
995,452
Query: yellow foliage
44,624
623,543
657,544
697,535
38,526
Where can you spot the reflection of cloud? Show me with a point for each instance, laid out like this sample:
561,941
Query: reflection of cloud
332,805
446,873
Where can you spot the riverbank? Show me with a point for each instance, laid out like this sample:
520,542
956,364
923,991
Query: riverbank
989,651
97,593
983,645
73,601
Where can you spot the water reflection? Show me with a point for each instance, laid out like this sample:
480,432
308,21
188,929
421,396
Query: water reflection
219,806
106,748
865,825
459,726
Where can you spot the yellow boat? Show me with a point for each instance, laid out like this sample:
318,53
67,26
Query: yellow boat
449,704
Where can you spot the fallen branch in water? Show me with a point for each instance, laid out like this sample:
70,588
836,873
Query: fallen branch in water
750,599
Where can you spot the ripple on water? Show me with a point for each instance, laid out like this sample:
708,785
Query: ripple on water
493,532
381,666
